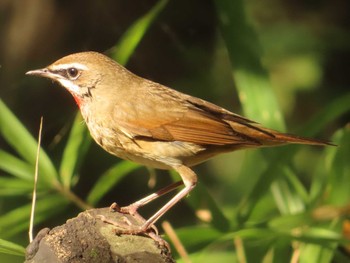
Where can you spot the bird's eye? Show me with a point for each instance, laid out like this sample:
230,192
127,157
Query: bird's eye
72,73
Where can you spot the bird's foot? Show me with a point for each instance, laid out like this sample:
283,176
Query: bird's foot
126,227
130,210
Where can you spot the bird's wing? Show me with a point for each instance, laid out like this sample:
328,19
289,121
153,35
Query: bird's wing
181,118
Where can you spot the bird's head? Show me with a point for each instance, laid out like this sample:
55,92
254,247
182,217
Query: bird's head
83,73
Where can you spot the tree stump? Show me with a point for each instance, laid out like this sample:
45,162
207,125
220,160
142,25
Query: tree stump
88,238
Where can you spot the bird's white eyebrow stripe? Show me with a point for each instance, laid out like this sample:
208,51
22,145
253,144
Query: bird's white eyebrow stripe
70,65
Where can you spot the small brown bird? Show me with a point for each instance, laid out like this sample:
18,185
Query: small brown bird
145,122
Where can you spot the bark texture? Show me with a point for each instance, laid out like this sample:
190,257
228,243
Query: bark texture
87,238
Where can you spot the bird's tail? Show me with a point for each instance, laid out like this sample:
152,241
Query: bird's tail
271,137
281,138
256,135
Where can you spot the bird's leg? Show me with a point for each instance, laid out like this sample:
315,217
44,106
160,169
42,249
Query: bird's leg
132,208
189,179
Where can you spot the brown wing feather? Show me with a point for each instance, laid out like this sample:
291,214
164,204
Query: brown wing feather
174,116
198,126
181,120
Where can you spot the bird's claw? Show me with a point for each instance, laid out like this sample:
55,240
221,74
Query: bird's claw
126,227
130,209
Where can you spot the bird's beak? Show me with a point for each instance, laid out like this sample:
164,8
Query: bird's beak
44,72
38,72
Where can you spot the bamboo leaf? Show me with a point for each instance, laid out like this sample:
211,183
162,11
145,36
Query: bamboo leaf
200,197
16,167
109,179
75,150
339,169
330,112
254,89
17,187
7,247
135,33
23,142
17,220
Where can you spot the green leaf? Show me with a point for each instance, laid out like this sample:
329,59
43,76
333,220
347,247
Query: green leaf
17,220
335,180
204,245
261,186
311,253
281,223
75,150
339,166
277,158
7,247
330,112
319,235
212,256
314,235
200,197
297,185
254,89
17,187
135,33
109,179
257,97
197,236
288,200
23,142
16,167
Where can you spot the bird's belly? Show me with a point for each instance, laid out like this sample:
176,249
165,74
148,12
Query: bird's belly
152,153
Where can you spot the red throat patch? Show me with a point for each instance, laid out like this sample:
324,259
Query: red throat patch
77,100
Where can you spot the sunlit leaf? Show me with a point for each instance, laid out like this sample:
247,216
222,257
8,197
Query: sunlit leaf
132,37
7,247
23,142
254,88
74,151
10,186
109,179
17,220
15,166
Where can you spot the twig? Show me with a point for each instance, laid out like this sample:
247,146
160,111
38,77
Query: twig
72,197
169,230
240,250
296,252
35,183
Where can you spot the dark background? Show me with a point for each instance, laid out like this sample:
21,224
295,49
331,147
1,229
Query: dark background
306,47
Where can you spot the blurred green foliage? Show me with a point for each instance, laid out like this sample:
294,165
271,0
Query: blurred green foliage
288,204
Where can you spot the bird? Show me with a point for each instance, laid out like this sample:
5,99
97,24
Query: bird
148,123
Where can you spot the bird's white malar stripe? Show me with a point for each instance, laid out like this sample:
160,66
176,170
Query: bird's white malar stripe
70,65
69,85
